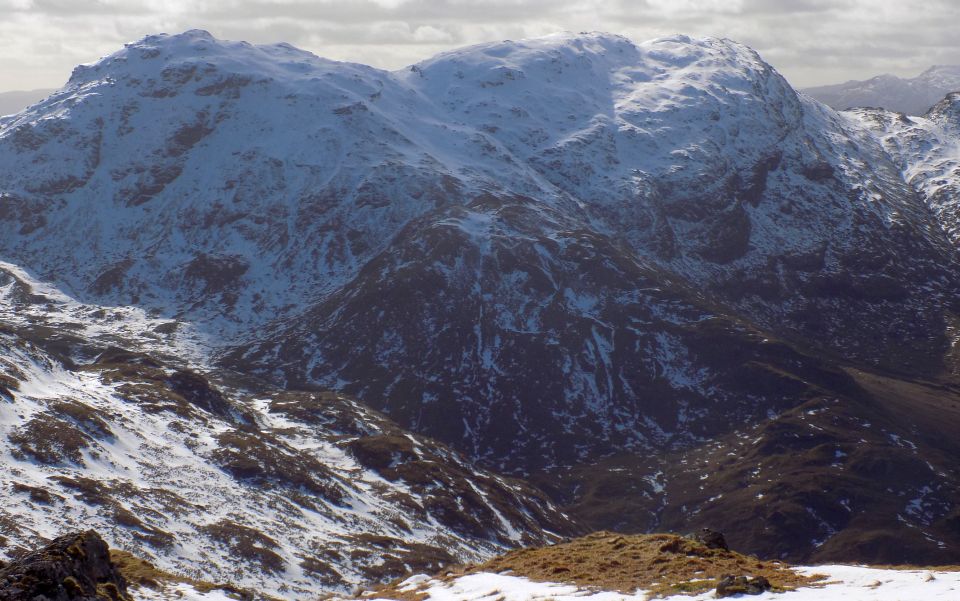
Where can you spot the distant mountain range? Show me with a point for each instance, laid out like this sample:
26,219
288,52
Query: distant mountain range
913,96
14,102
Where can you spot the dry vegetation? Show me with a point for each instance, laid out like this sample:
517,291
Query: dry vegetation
107,496
49,440
141,573
259,457
383,558
663,564
8,384
247,544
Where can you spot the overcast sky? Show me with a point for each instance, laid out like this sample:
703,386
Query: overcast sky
810,41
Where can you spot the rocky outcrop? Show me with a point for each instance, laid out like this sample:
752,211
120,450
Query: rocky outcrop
74,567
730,586
711,539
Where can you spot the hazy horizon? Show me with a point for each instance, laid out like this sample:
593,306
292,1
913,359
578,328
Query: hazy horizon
811,42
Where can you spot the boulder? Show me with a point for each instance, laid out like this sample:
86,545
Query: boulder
74,567
742,585
710,539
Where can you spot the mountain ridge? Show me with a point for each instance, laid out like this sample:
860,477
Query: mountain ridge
913,96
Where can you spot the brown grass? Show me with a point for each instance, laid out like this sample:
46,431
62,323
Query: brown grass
38,495
8,384
384,558
86,417
257,457
141,573
247,544
663,564
97,493
49,440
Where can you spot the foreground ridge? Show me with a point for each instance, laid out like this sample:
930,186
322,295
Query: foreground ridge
658,564
612,566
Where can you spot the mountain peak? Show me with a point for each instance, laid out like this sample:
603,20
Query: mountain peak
548,47
591,63
941,69
152,54
947,111
187,37
680,49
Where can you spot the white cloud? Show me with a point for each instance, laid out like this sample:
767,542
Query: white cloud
810,41
701,7
429,34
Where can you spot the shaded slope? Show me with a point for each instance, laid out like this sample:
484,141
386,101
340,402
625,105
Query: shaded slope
626,357
865,476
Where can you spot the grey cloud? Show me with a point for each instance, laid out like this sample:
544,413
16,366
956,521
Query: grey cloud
794,7
810,41
74,8
415,11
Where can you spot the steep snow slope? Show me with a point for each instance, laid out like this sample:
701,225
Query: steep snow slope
226,482
708,164
928,151
913,96
227,183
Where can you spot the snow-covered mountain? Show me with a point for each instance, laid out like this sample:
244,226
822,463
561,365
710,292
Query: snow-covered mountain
928,152
913,96
574,258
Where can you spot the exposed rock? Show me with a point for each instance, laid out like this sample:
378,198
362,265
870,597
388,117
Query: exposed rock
711,539
74,567
742,585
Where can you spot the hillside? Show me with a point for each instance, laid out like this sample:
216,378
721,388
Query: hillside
220,477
